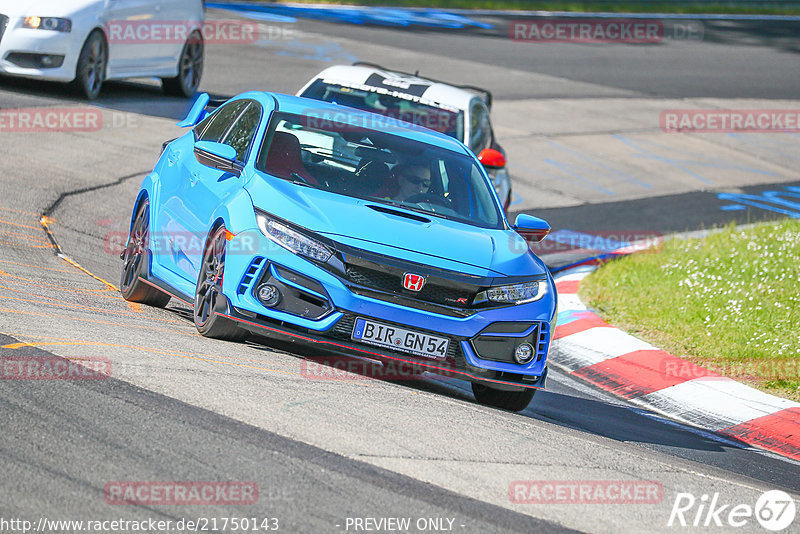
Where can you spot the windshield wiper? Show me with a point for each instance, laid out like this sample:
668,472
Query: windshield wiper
410,208
299,180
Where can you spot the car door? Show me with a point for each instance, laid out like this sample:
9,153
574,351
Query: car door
206,187
182,17
179,232
136,36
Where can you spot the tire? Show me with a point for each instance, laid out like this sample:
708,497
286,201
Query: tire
134,262
208,293
190,69
91,69
513,401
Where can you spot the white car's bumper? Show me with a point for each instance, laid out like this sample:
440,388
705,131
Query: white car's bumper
44,54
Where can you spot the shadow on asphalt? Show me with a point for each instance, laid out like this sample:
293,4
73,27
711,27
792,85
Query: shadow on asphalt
138,96
583,414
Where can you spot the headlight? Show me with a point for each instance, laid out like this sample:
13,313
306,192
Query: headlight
47,23
516,293
292,240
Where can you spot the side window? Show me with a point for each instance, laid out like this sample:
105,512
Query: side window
480,131
242,133
220,121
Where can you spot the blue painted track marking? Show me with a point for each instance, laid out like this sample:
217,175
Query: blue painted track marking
591,184
769,200
384,16
683,164
753,139
613,171
328,52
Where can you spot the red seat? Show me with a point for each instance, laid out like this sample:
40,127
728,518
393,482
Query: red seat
284,158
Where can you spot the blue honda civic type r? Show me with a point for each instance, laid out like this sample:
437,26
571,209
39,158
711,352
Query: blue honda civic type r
355,232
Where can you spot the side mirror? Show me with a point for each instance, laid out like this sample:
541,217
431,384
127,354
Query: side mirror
218,156
531,228
490,157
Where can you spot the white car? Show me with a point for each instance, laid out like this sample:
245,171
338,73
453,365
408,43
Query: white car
460,111
90,41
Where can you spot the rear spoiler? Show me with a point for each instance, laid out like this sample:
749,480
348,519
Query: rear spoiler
203,105
484,93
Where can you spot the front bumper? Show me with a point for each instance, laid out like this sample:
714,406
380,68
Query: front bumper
21,50
321,308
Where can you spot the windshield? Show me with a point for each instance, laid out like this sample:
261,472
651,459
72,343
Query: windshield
409,108
358,162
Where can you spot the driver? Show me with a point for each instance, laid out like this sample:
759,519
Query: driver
412,180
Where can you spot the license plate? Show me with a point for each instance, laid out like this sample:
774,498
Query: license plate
396,338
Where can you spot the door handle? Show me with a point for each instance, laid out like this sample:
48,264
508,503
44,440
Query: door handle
193,177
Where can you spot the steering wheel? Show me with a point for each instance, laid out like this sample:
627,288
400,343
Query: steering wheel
430,198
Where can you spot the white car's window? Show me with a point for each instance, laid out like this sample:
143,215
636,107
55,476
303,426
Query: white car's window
480,132
407,108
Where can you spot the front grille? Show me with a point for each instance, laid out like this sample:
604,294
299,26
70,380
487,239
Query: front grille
3,24
343,329
393,283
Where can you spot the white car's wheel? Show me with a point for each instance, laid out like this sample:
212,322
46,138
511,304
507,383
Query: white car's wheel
91,70
190,69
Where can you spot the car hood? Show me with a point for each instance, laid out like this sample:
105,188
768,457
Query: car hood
46,8
438,242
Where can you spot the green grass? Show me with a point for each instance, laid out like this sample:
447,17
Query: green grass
729,302
630,6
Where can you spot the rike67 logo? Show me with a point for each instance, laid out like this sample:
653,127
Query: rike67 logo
774,510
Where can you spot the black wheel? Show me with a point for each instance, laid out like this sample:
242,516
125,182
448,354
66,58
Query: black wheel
133,263
209,293
91,69
190,69
514,401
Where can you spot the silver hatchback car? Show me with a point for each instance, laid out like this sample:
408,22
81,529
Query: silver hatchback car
90,41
